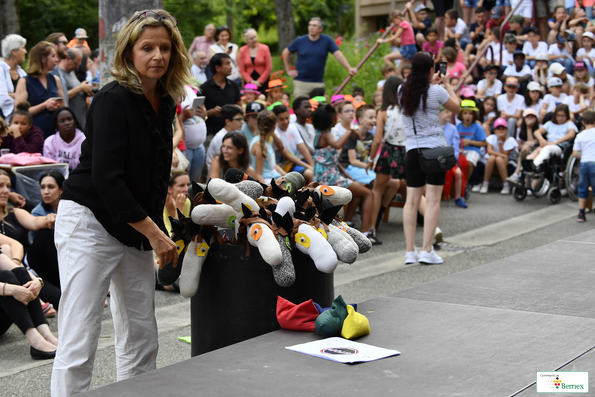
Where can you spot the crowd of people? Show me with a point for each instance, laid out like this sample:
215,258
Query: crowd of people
528,98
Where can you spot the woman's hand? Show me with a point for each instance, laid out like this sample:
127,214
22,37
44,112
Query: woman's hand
201,111
174,160
445,79
180,200
50,220
436,79
369,166
164,248
188,112
51,104
22,294
16,199
34,286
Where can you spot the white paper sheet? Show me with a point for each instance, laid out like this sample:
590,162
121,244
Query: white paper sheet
343,350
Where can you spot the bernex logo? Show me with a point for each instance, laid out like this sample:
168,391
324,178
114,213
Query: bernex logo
562,382
339,351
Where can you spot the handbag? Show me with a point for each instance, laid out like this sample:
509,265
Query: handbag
183,162
439,159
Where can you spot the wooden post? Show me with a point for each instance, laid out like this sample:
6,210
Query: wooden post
113,15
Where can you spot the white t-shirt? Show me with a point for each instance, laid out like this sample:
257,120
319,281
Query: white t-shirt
553,101
215,146
495,89
585,143
558,131
461,28
307,133
338,131
512,72
538,106
518,103
195,128
427,124
496,49
507,58
590,54
380,84
555,50
574,107
291,138
509,144
530,51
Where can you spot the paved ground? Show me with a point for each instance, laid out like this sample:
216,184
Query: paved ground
493,227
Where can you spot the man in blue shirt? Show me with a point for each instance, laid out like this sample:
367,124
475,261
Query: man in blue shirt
312,52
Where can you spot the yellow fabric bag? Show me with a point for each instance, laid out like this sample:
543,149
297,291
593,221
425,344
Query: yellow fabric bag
355,325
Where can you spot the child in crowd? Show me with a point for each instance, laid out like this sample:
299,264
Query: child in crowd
250,127
65,145
497,16
250,94
516,28
511,105
356,150
358,95
520,70
346,117
586,54
432,44
553,99
234,154
578,21
406,71
533,46
492,39
561,52
525,140
510,46
234,119
455,69
329,171
453,138
584,149
22,135
275,91
560,132
472,135
377,99
457,28
488,113
387,71
303,110
403,38
540,71
557,70
478,28
557,24
581,75
490,85
262,157
420,21
298,156
577,102
500,148
534,97
285,98
525,10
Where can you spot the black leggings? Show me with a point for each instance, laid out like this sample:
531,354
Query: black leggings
43,258
13,311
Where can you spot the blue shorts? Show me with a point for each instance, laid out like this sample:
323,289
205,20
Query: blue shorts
360,175
503,3
471,3
586,179
464,44
408,51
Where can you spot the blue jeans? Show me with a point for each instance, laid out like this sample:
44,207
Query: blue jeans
586,179
196,157
531,63
569,65
589,12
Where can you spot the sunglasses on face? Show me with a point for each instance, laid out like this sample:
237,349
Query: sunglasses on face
155,15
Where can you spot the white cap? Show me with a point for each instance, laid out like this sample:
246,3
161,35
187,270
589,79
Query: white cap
557,68
541,57
535,86
554,82
589,35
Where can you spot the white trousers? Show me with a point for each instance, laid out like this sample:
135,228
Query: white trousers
546,153
91,263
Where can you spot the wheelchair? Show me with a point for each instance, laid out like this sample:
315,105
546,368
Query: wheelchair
555,174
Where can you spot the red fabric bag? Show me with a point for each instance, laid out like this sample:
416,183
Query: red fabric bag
296,317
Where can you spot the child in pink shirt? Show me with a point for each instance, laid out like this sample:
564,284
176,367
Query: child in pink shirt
403,38
455,69
432,44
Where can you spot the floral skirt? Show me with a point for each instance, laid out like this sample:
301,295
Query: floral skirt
391,161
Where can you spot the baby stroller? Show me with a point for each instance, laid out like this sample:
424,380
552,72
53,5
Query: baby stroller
550,178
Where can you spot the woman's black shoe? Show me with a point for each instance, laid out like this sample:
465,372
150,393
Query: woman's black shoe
41,355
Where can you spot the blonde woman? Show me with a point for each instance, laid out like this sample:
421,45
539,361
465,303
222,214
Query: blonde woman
254,60
110,217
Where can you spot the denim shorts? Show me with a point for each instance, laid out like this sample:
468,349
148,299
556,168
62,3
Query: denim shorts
408,51
586,179
471,3
503,3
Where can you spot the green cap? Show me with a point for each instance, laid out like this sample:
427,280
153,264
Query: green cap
468,104
272,106
320,99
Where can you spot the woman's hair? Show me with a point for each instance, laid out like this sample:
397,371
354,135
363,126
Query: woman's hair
389,92
482,112
221,29
177,75
60,110
414,90
561,108
7,208
450,54
524,127
246,33
322,117
58,177
39,50
266,122
23,110
12,42
3,126
475,115
342,106
175,175
528,100
240,142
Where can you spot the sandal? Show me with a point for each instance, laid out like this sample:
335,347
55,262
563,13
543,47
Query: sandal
48,310
374,240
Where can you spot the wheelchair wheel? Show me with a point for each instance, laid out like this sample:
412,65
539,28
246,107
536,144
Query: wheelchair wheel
571,177
519,193
554,195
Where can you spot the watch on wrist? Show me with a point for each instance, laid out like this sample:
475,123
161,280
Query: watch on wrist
41,281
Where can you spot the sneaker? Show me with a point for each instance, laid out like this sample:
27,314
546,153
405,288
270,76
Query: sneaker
513,179
581,217
373,239
529,193
564,192
505,190
411,257
437,236
429,258
461,203
476,188
483,189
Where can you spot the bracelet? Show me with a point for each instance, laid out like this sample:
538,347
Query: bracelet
17,261
4,290
41,281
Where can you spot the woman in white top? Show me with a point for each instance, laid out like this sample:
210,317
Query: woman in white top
195,133
420,98
13,52
223,38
